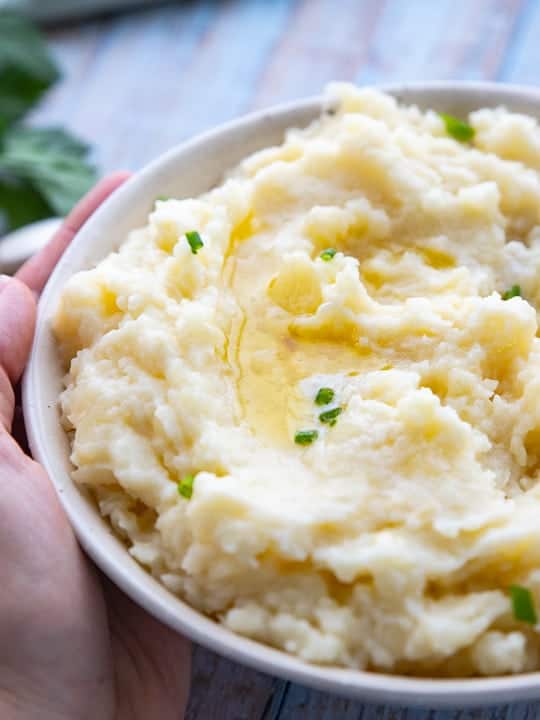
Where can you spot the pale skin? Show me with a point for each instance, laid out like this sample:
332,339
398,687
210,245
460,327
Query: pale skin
72,646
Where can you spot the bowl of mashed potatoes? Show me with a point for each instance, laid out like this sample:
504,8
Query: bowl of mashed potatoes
286,382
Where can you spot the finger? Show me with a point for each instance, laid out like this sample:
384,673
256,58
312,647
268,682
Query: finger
36,271
17,318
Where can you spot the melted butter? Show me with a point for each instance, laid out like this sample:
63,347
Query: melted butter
432,257
271,364
437,259
268,358
245,229
167,237
373,277
108,301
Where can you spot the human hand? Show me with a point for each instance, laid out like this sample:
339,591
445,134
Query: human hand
72,646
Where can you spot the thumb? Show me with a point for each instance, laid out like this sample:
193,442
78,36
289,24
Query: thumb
17,319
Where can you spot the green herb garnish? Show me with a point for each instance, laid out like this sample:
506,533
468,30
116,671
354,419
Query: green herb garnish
324,396
194,240
328,254
330,416
163,198
514,291
185,486
43,171
456,128
305,437
523,604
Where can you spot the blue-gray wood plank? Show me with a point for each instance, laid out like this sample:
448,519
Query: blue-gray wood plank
136,84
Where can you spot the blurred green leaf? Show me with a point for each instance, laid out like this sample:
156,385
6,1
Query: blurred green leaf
50,161
43,172
49,139
21,204
27,69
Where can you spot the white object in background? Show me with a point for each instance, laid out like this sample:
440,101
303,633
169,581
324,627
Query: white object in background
19,245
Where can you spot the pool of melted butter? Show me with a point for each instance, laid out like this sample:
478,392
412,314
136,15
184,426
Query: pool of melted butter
268,358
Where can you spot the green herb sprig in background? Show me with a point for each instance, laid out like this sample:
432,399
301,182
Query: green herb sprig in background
43,171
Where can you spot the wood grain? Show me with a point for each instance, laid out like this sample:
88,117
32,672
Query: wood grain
135,85
316,49
220,687
521,57
439,41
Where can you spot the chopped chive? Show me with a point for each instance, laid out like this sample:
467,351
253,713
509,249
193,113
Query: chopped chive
328,254
329,416
305,437
456,128
194,240
514,291
324,396
523,604
185,486
163,198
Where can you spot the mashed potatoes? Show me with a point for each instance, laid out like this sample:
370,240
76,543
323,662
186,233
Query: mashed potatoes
336,453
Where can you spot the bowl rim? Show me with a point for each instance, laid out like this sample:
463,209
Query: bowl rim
358,684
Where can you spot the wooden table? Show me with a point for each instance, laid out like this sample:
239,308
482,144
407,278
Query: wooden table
137,84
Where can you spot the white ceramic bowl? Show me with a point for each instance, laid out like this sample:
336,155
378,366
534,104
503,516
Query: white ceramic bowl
186,171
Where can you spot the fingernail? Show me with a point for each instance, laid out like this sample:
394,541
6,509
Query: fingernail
4,279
